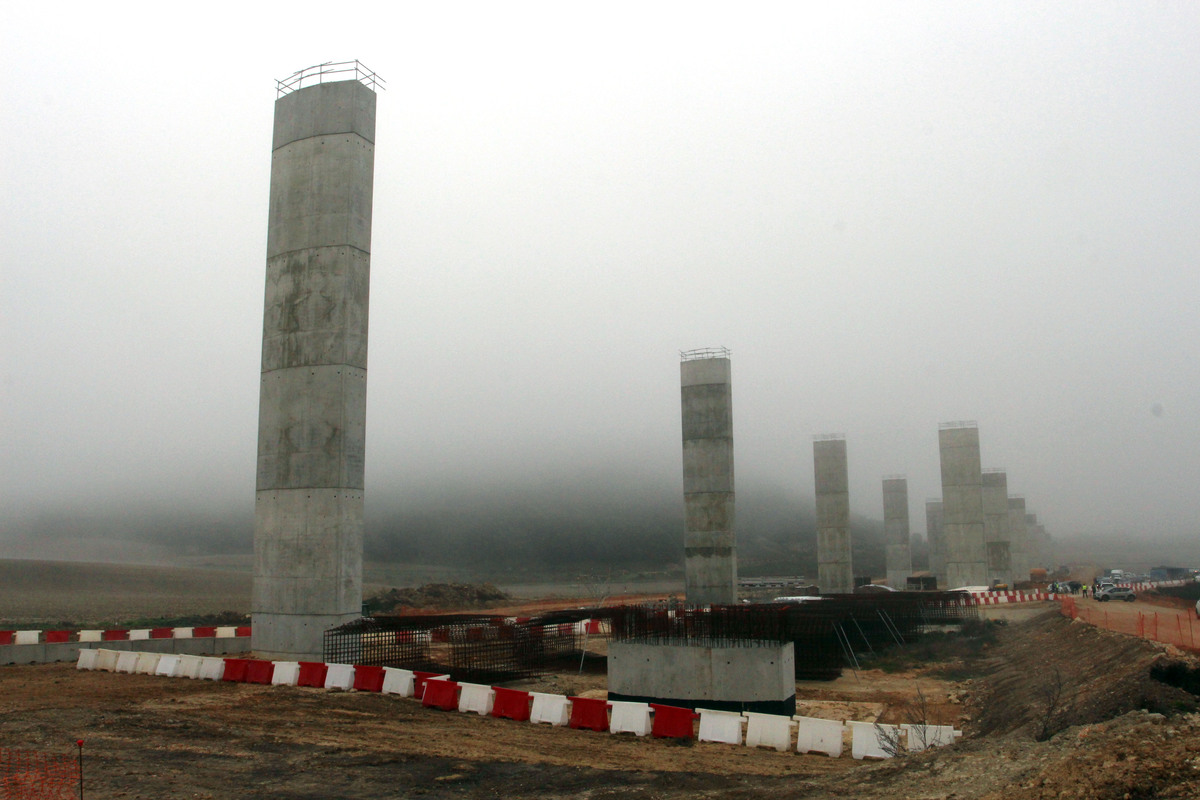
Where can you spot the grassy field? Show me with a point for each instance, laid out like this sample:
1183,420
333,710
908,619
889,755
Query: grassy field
43,594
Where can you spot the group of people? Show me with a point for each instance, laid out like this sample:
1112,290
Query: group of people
1077,587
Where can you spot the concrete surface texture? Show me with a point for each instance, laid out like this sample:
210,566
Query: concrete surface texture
962,505
709,552
997,541
756,676
895,531
308,523
936,537
1017,537
835,572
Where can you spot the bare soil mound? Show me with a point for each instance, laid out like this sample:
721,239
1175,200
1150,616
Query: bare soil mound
437,597
1052,673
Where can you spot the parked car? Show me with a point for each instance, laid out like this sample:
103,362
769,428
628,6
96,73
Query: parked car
1116,593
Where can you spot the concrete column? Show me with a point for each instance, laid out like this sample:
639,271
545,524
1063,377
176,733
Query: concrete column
1018,537
308,524
935,535
995,527
835,573
962,504
709,554
1037,554
896,534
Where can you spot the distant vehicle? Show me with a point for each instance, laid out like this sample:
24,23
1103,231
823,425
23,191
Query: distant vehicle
873,588
1116,593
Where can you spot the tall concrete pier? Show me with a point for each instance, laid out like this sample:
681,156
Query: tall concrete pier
709,554
935,536
1018,537
996,539
896,534
962,504
835,572
308,523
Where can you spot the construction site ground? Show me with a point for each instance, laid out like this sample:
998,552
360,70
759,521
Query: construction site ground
1051,709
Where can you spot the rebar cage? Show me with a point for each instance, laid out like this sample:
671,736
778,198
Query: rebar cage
469,647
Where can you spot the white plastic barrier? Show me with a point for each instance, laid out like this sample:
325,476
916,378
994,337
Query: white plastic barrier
91,636
26,637
181,633
720,726
106,660
227,632
167,666
139,634
212,668
340,676
147,663
286,673
552,708
87,658
629,717
814,735
768,730
127,662
189,666
921,737
869,739
476,697
398,681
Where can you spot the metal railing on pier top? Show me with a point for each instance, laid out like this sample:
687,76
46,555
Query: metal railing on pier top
319,73
962,423
704,352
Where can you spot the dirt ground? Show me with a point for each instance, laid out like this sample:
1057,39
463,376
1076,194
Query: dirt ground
1052,709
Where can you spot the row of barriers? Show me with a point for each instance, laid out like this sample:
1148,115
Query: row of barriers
122,634
783,733
1178,628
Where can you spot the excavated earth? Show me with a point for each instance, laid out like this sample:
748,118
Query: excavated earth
1051,709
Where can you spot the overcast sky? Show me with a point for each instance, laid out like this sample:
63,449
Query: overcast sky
894,214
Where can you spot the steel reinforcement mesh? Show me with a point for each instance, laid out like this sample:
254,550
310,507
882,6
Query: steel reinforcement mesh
30,775
827,634
468,647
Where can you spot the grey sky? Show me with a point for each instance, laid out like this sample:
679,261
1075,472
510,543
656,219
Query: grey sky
893,214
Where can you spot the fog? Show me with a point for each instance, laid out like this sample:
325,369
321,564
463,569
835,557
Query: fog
894,216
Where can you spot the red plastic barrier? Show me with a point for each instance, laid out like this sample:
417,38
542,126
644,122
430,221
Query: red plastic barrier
205,632
242,630
259,671
57,637
441,694
6,637
368,679
162,633
312,673
593,627
441,635
589,713
511,704
235,670
116,635
419,679
672,722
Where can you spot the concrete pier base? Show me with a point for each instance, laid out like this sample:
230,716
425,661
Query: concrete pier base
755,676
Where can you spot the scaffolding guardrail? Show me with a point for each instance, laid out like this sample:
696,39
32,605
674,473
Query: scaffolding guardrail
310,76
704,352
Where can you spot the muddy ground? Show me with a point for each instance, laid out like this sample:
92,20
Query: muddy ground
149,737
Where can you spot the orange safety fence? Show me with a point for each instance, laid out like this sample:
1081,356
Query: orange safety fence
1178,628
29,775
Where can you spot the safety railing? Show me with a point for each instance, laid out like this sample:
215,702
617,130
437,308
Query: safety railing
320,73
